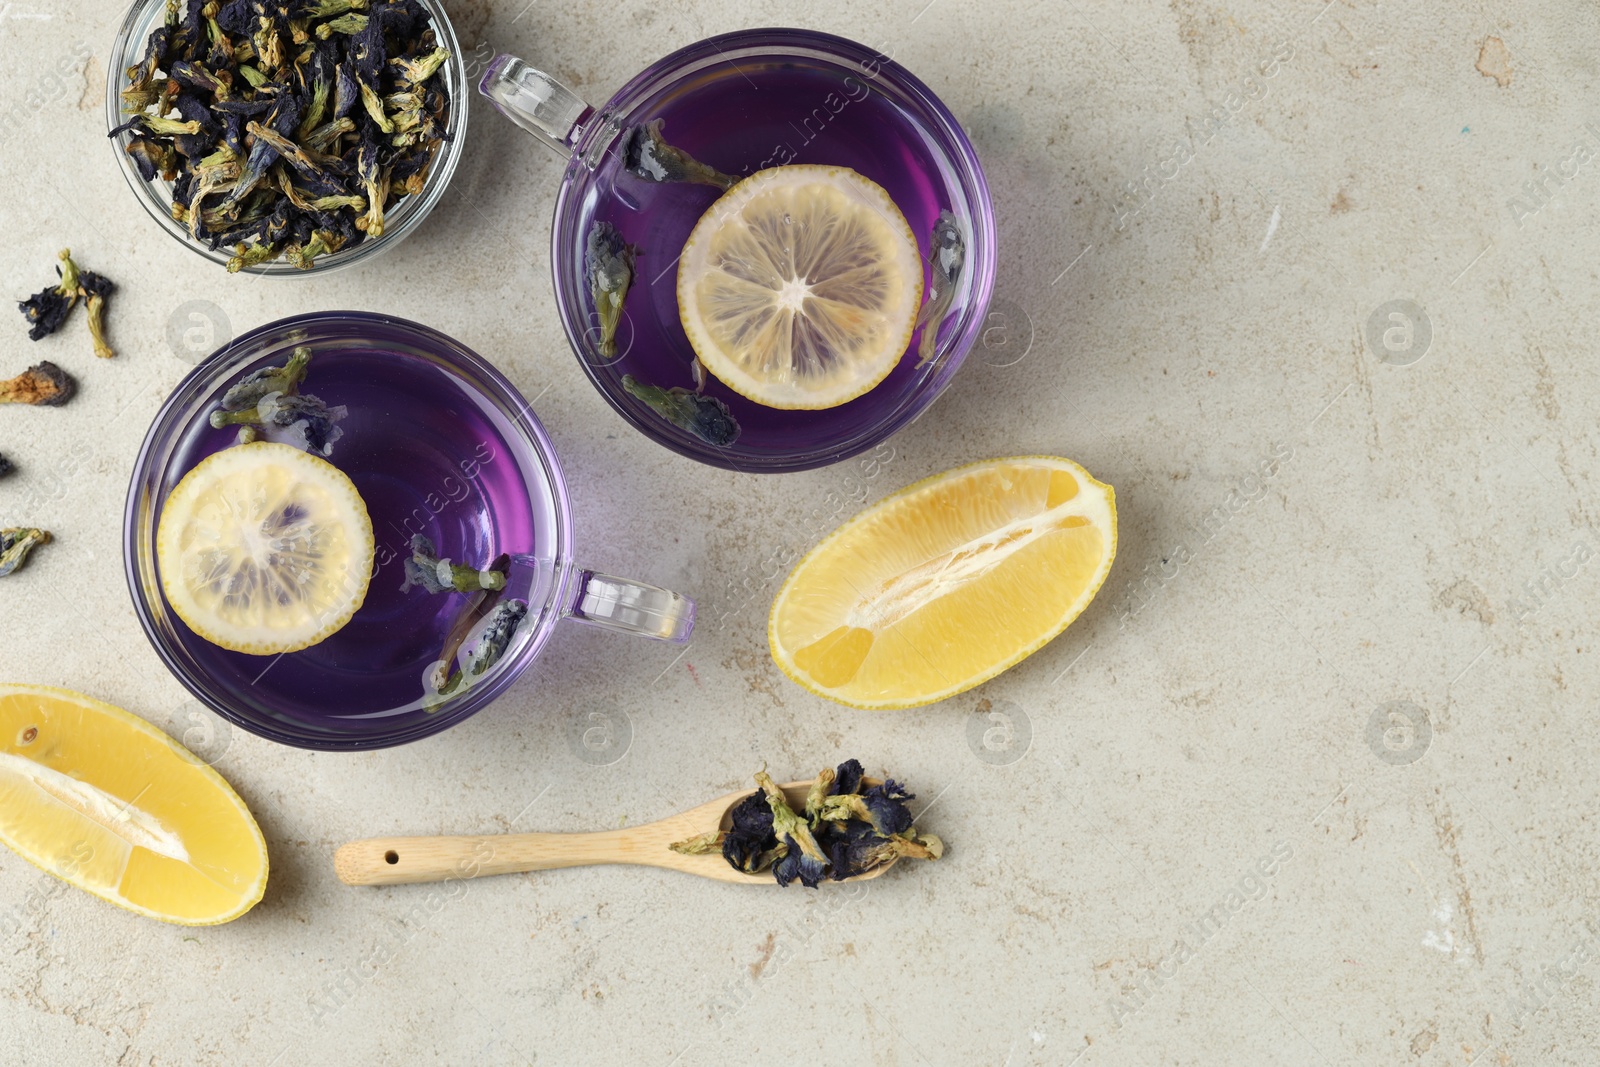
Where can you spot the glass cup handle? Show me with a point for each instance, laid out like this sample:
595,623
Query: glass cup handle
633,608
535,101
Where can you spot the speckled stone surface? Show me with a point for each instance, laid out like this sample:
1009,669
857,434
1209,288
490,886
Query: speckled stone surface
1312,781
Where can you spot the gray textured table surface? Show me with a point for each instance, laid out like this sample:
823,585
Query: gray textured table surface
1330,503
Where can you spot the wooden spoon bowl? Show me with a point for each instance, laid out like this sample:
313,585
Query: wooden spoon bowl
402,860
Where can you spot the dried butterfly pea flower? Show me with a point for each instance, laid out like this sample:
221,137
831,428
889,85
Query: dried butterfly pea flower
804,859
351,24
96,287
947,254
321,9
322,243
858,849
304,422
43,383
268,401
153,159
818,794
496,636
646,154
48,309
608,268
704,416
847,777
16,543
248,391
699,845
157,126
424,568
882,807
499,626
748,845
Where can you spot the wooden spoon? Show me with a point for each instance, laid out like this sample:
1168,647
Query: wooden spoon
399,860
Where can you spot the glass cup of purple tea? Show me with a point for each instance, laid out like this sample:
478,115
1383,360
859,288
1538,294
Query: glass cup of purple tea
772,249
348,531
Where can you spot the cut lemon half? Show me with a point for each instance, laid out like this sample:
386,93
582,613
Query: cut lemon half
799,288
945,584
265,549
110,804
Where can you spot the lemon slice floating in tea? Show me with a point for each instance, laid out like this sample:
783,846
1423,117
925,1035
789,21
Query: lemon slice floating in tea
107,802
945,584
264,549
799,288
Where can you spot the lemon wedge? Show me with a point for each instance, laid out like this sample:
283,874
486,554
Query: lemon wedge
264,549
945,584
108,803
799,288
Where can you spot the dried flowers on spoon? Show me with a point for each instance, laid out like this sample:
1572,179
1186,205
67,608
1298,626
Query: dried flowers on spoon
287,128
846,829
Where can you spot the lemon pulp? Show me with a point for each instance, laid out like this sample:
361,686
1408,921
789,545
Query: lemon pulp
108,803
265,549
945,584
799,288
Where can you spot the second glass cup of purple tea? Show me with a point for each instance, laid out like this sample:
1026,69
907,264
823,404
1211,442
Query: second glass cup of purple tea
347,531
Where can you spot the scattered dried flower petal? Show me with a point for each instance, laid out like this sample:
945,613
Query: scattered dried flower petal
16,543
43,383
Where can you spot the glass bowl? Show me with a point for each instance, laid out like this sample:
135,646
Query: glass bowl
408,213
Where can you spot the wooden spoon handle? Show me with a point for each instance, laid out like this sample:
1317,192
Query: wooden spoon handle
399,860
